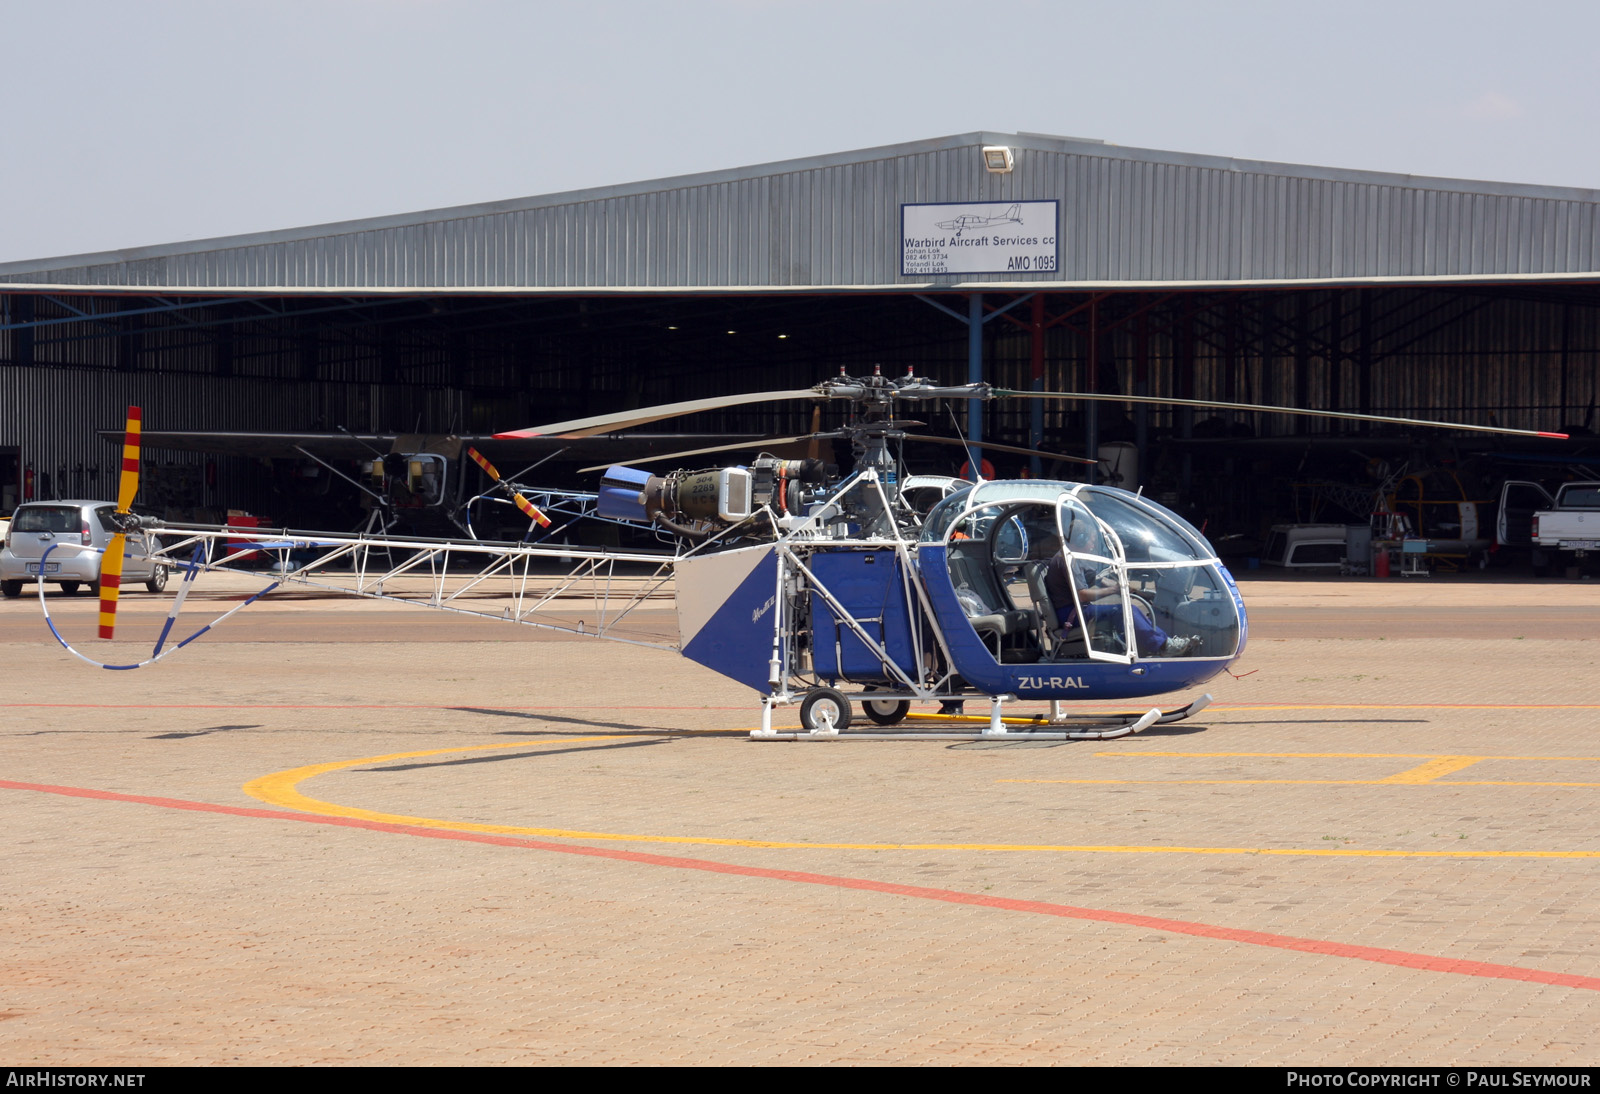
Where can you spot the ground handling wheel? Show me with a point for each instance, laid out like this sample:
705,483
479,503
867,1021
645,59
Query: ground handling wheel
825,711
885,712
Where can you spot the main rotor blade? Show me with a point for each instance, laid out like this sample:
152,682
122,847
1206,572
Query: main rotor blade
605,423
743,446
127,490
1344,414
917,438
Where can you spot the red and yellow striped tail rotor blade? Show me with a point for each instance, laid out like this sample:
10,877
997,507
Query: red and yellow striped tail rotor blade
488,468
127,490
532,510
111,583
130,460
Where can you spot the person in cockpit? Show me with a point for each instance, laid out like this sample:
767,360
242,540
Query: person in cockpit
1095,588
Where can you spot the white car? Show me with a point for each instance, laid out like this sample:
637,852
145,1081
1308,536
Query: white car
79,531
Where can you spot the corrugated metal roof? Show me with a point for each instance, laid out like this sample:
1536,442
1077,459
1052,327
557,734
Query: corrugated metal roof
1129,218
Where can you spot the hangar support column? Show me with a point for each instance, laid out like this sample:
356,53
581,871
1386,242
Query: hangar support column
1036,382
974,319
975,365
1091,410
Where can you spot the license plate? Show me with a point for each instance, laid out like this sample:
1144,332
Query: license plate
49,568
1582,544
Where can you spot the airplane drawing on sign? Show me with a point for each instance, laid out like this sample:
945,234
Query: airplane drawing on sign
960,224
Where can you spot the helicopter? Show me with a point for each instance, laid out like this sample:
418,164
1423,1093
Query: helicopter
827,591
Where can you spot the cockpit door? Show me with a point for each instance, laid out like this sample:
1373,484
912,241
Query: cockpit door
1098,575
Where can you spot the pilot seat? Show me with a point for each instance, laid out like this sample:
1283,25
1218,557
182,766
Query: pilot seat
1009,632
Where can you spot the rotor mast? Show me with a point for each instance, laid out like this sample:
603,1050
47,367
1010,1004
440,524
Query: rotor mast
875,398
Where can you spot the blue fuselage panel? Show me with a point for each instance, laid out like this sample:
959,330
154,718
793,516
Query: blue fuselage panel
870,586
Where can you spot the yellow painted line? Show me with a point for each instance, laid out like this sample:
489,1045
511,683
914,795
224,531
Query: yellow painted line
1426,773
282,789
1487,782
1017,720
1423,775
1129,754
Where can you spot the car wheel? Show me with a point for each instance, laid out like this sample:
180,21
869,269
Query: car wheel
70,588
11,589
158,579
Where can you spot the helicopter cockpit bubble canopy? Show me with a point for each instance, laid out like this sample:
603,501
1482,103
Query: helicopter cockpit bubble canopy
1052,572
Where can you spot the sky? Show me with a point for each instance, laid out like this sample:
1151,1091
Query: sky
157,121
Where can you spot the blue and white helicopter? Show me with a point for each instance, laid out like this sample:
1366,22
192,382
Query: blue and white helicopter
830,593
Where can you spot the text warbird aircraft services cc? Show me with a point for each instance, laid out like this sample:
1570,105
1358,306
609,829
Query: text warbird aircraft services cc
984,237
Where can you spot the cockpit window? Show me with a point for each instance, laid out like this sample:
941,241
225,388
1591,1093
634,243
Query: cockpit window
980,525
1024,490
938,522
1056,571
1010,536
940,516
1083,534
1145,537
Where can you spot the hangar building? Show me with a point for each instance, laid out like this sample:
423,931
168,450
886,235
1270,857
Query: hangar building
1024,259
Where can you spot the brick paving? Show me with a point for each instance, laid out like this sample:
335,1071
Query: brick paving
143,935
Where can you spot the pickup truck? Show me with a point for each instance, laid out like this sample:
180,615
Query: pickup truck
1563,529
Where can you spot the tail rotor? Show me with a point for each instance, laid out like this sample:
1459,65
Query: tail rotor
532,511
128,487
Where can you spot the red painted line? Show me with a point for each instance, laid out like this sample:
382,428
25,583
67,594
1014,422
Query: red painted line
1399,958
1220,707
333,706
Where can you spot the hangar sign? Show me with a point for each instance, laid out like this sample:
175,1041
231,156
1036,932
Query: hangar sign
978,237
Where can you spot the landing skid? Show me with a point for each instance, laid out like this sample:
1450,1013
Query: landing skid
1057,726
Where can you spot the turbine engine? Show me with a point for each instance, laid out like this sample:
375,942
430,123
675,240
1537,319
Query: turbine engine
695,503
